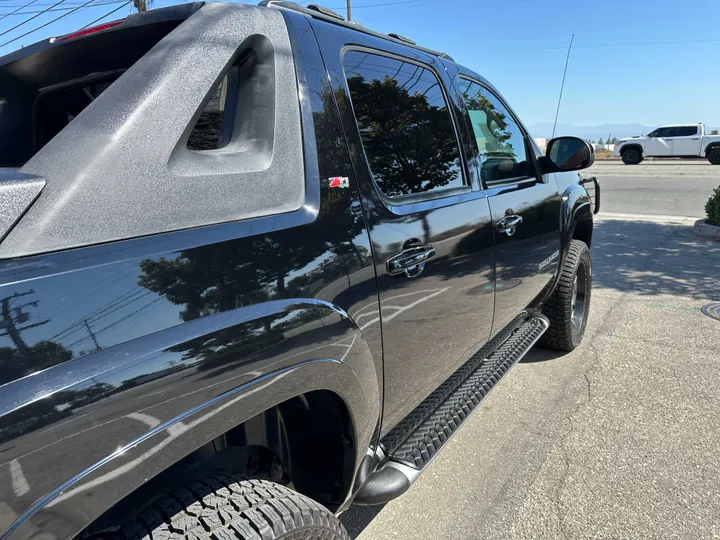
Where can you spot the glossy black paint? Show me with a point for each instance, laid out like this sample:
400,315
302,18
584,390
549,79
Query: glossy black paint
117,360
452,299
120,359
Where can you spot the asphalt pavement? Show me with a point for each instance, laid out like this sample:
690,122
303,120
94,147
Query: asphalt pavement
661,187
618,439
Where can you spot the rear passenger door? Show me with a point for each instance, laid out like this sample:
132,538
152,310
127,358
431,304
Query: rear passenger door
429,221
686,141
525,205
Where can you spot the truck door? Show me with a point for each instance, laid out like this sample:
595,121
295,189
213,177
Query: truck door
429,221
659,143
686,141
524,205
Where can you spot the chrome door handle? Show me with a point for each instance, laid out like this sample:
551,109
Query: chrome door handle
411,261
508,224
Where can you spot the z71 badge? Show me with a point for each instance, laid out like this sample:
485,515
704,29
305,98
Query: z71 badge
338,182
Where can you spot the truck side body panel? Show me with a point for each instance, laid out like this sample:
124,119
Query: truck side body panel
117,360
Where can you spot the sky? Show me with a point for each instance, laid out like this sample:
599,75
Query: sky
651,62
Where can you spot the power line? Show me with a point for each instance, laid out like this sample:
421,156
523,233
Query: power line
106,15
30,19
635,44
47,23
18,9
97,4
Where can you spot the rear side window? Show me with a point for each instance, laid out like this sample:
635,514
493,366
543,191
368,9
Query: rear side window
686,131
499,139
405,125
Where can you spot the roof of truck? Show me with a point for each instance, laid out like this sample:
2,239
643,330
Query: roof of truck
180,12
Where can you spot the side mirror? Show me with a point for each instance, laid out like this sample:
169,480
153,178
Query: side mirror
568,154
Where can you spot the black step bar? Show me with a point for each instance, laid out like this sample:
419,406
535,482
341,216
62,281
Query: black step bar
411,445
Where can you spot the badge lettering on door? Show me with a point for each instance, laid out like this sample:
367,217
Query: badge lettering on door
550,259
338,182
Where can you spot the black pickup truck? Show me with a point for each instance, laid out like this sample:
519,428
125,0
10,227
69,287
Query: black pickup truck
259,264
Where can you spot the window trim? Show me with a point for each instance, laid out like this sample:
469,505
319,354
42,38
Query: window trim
530,156
394,204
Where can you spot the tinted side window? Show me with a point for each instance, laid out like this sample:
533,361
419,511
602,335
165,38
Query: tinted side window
500,141
666,132
404,124
686,131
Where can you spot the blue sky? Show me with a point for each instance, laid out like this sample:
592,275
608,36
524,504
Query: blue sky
622,70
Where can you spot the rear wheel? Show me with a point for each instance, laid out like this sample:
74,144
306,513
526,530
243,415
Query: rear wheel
631,156
713,155
227,508
569,305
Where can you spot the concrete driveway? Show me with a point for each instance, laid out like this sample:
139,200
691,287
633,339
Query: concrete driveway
619,439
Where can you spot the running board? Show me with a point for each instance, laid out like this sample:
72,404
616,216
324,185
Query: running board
413,443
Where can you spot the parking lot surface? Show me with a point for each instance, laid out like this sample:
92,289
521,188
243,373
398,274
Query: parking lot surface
661,187
618,439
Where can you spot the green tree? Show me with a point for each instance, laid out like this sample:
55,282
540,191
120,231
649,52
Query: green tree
600,141
714,132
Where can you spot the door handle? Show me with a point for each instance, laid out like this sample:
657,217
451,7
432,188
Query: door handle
695,139
508,224
411,261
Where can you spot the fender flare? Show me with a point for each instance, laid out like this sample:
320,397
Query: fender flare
576,210
710,146
629,145
351,375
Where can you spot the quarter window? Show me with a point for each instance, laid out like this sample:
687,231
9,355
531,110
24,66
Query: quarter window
500,141
404,124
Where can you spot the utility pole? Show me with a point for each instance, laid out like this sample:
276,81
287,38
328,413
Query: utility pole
13,317
92,334
349,17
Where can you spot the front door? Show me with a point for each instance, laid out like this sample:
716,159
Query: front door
686,141
525,207
660,142
429,222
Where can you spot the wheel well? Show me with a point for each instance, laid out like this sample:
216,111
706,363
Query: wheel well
307,441
711,146
633,147
583,230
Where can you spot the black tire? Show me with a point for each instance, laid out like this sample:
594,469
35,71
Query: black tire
226,508
568,317
713,156
631,156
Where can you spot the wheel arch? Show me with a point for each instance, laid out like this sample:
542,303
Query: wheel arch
633,146
712,145
287,409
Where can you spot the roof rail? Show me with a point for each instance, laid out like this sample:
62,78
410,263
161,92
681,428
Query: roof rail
328,15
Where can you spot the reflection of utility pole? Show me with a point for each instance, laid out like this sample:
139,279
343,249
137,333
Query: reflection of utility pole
140,5
348,10
92,334
12,317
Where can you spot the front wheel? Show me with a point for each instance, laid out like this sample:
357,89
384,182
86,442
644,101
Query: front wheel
631,156
569,305
227,508
713,156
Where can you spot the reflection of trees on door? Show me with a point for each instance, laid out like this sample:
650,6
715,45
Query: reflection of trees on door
492,122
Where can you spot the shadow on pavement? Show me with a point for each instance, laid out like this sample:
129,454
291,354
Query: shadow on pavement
651,258
358,517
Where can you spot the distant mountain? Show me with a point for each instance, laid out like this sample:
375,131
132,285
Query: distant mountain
591,132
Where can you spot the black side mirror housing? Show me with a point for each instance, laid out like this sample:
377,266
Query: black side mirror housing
566,154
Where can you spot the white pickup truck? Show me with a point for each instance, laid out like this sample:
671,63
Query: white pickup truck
682,140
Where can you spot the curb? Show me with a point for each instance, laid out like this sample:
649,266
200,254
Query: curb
705,229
